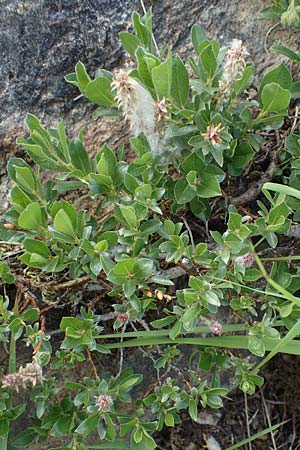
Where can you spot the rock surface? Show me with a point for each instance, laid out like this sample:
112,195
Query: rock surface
41,41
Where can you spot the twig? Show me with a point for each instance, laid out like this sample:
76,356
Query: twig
69,283
254,190
154,385
268,34
92,363
247,419
296,117
294,435
240,317
78,97
121,352
11,254
190,232
99,297
268,419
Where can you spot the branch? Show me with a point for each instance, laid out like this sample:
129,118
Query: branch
255,188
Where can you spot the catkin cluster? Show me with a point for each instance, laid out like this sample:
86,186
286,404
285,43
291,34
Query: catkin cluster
139,108
30,374
233,69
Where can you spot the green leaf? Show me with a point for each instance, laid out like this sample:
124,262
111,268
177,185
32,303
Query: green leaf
212,298
99,91
130,381
246,79
12,165
128,214
34,246
143,268
113,112
286,309
169,420
24,438
209,187
205,362
190,315
63,141
40,157
180,82
256,346
31,315
198,35
183,192
4,427
193,409
160,323
164,281
286,52
243,154
81,75
140,29
162,78
88,425
72,79
69,185
129,42
138,435
295,90
16,327
31,217
280,75
209,61
25,178
79,156
143,68
122,271
271,12
274,98
63,223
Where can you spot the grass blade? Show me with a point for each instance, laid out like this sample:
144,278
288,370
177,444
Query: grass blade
282,189
256,436
237,342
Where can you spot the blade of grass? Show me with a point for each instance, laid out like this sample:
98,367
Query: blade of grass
282,189
256,436
165,332
282,258
245,288
293,332
236,342
283,346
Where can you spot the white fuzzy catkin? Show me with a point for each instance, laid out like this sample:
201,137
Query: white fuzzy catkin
233,68
138,108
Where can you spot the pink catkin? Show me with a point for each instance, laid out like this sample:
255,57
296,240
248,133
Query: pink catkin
216,328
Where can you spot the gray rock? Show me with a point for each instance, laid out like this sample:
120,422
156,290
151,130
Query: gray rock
42,40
